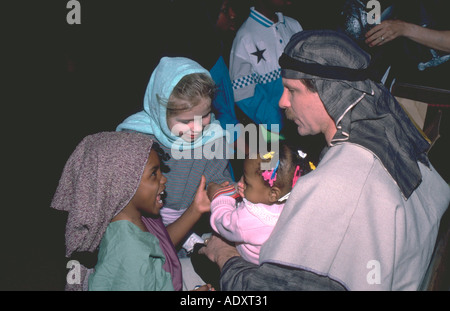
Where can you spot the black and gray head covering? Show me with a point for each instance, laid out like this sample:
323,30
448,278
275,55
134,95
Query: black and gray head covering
365,113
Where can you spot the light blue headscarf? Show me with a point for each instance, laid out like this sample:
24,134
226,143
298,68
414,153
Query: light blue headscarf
153,119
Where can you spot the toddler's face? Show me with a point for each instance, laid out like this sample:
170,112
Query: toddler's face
255,190
189,125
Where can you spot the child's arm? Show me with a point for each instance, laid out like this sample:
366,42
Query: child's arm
201,204
226,218
213,188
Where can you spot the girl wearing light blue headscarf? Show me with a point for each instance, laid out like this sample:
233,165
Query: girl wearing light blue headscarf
186,171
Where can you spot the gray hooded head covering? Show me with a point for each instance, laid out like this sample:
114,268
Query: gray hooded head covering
99,179
364,112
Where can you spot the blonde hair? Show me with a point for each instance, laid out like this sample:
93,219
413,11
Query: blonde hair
188,92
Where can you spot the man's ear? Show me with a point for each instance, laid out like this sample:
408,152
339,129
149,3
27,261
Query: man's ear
275,194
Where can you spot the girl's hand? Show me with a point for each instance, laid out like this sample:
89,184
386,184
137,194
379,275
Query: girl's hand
201,202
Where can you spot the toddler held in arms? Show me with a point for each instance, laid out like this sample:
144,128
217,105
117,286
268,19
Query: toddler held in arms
264,188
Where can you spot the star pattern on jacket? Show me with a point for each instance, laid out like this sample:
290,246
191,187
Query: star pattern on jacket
259,54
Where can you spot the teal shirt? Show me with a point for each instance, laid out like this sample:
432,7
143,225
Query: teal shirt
129,260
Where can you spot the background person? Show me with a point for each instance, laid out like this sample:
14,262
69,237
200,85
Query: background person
254,69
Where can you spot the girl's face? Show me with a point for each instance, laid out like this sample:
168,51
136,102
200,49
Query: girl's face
148,196
255,190
189,124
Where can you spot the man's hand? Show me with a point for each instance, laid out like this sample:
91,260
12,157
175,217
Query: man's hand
218,250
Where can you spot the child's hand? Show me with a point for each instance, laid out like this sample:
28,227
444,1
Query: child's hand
240,187
201,201
214,187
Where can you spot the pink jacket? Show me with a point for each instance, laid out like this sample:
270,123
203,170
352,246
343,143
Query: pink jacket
247,224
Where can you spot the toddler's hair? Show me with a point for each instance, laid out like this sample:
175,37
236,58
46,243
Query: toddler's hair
189,91
292,163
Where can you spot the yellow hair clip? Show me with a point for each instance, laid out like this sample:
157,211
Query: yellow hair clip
268,155
312,166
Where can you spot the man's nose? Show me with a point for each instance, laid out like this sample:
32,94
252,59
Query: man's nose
283,102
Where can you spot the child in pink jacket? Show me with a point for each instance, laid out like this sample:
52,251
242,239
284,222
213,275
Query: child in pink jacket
264,187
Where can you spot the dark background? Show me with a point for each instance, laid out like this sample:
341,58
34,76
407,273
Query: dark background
60,83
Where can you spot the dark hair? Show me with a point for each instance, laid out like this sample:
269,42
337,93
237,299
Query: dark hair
310,85
163,156
289,158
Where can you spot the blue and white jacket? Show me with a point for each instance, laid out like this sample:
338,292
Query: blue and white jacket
254,69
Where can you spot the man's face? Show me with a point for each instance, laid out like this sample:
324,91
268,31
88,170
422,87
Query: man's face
304,108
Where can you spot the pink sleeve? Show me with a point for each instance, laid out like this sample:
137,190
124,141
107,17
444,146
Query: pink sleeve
226,218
